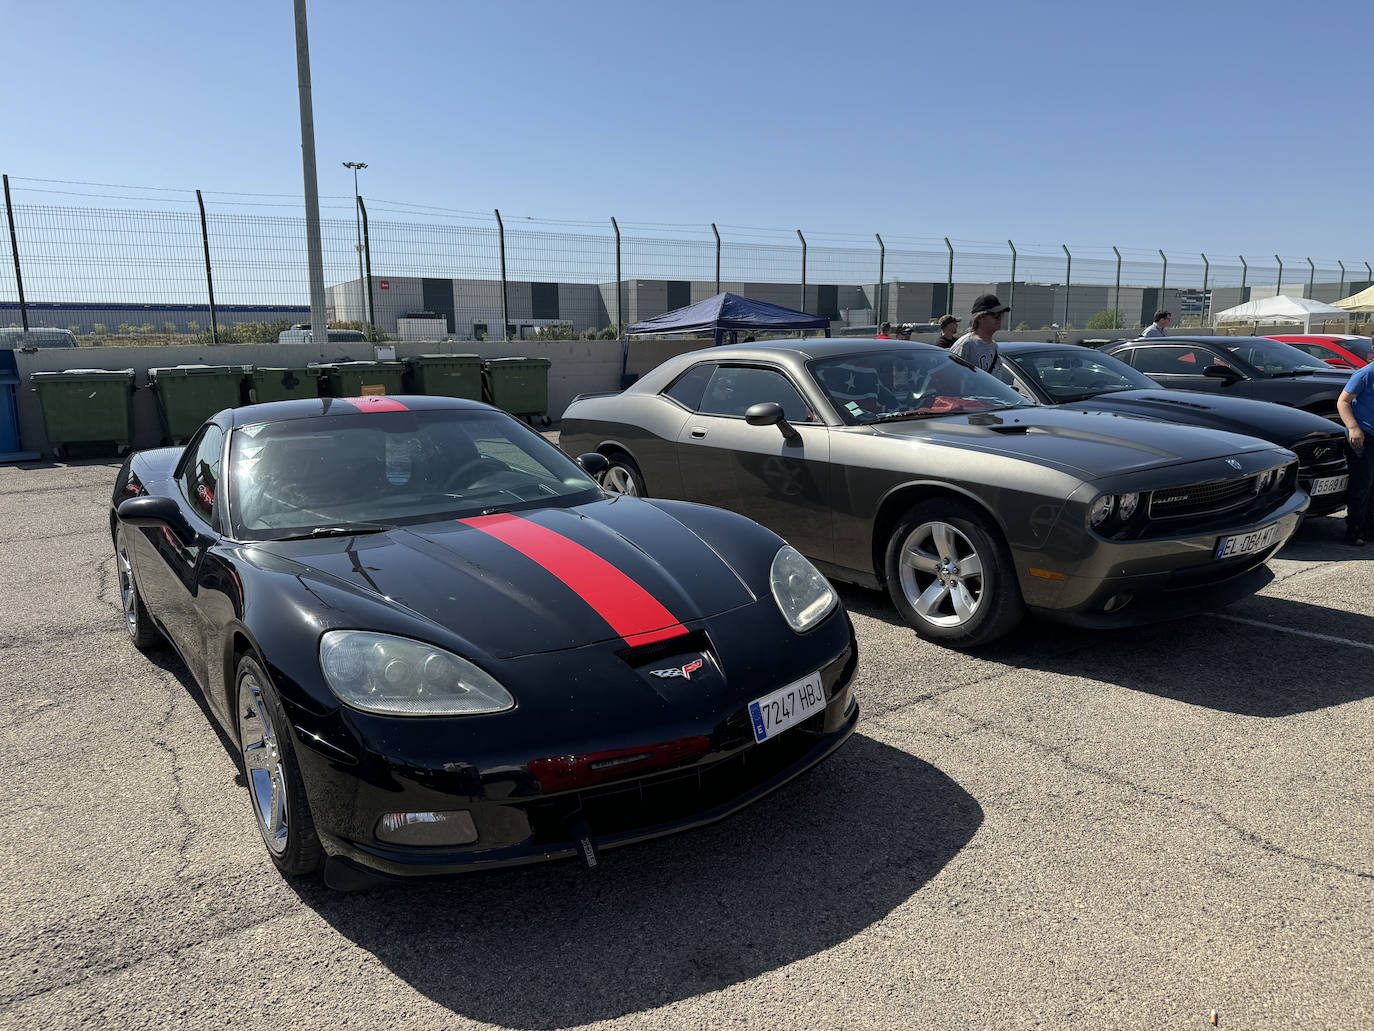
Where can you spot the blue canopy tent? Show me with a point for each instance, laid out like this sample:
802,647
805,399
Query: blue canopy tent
729,314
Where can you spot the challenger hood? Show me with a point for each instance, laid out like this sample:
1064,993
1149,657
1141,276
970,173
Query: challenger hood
1086,444
537,581
1277,423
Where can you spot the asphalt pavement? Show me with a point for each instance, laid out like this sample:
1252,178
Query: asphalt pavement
1127,829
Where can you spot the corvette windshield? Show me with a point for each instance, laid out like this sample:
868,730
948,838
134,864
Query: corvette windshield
1273,357
914,383
363,473
1071,376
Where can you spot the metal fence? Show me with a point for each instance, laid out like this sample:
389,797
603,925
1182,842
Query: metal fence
183,264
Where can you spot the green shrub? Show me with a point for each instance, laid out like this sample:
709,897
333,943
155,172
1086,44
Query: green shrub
1022,327
1109,319
99,329
608,333
192,326
169,327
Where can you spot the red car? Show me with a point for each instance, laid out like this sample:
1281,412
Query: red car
1344,352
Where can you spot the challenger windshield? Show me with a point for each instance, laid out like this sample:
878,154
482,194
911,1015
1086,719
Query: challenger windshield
1274,357
363,473
913,383
1071,376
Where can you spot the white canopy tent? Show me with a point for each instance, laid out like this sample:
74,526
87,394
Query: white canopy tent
1285,309
1361,302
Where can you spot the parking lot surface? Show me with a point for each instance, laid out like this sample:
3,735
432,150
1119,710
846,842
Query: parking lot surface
1131,829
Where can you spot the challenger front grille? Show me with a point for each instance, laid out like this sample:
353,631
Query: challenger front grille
1203,498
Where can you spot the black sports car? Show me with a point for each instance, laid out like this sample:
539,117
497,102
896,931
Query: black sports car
893,464
1253,367
1063,374
440,645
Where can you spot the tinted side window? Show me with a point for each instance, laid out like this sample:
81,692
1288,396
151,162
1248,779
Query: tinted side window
688,387
732,390
200,479
1176,361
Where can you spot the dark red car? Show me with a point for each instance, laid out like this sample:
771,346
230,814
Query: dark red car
1342,352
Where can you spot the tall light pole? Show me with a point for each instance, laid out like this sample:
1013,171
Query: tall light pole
319,318
358,227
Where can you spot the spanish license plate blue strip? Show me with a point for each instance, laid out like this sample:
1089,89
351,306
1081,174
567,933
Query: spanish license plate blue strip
1247,543
786,707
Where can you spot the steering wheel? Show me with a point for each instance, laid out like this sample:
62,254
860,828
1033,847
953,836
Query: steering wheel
458,478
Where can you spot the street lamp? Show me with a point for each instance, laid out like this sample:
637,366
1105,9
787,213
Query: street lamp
362,286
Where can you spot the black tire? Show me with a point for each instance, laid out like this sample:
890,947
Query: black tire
143,632
276,793
946,601
622,476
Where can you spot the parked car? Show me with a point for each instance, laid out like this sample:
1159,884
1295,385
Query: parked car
1062,374
439,645
13,338
1339,351
895,465
1254,367
303,334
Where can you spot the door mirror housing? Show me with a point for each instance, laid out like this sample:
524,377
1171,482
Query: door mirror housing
593,464
1221,372
769,413
157,513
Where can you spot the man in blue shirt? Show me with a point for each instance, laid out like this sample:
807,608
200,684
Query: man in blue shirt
1356,408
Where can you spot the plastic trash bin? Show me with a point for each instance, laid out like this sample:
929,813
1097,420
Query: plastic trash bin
187,395
86,405
272,384
446,375
517,385
358,379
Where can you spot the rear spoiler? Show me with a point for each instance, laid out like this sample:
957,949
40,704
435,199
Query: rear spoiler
596,393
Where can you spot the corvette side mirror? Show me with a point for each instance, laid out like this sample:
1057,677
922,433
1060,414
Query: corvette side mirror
1221,372
593,464
769,413
157,513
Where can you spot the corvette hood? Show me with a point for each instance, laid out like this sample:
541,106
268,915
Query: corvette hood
537,581
1087,444
1277,423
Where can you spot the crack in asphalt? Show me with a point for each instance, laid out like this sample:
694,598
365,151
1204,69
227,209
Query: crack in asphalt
56,536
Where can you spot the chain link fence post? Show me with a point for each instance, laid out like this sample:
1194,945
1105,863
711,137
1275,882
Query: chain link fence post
1116,304
505,299
949,282
1278,287
1163,279
1341,291
367,257
1311,277
1206,301
878,298
1012,301
717,232
1068,282
1244,275
14,245
619,309
209,279
803,290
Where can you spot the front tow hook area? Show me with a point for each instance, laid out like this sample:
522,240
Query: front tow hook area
343,874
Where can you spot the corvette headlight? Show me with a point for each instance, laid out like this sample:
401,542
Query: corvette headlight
802,593
396,676
1101,509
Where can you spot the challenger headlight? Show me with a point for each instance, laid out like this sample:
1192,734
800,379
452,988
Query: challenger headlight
396,676
1126,504
1267,478
802,593
1101,509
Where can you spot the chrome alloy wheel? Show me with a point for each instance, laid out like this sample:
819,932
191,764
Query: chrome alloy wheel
620,480
128,598
942,574
263,763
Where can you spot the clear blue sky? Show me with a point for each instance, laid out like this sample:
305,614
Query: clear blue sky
1235,127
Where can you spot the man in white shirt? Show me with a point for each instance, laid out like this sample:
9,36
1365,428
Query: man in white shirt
976,347
1156,329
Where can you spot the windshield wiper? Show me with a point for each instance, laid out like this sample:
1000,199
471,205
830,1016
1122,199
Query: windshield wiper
355,530
1294,372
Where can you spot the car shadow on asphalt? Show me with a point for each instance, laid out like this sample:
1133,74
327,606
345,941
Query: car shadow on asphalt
1264,656
165,658
556,945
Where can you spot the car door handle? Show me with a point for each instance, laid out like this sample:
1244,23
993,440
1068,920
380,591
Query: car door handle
698,432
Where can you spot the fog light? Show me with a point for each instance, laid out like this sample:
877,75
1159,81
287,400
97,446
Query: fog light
442,828
1117,602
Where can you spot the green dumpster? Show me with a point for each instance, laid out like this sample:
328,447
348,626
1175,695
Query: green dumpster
446,375
187,395
84,405
272,384
517,385
358,379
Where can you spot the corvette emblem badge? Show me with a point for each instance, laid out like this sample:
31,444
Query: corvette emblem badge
679,671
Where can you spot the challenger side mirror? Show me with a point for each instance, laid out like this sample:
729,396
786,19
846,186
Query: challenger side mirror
593,464
769,413
1221,372
157,513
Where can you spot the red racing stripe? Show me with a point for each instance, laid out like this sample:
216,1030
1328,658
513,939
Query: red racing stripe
375,403
633,613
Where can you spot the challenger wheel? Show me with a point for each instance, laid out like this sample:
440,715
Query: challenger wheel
142,631
950,575
623,477
274,779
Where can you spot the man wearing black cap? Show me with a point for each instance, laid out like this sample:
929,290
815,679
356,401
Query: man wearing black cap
977,347
949,325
